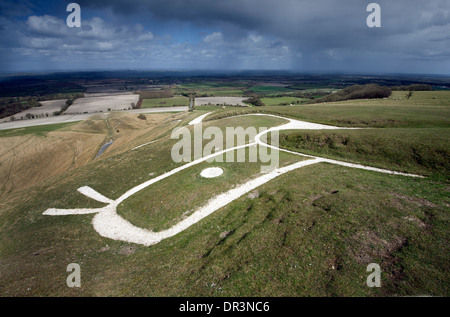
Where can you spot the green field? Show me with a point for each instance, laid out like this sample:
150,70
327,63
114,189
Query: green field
40,130
269,89
211,89
211,86
165,102
309,232
220,93
281,100
312,87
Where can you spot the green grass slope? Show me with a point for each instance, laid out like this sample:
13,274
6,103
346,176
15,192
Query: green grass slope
310,232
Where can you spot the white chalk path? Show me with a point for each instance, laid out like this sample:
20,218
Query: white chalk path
139,146
195,121
110,225
199,119
303,125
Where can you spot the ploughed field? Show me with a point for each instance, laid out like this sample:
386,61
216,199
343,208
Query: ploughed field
103,104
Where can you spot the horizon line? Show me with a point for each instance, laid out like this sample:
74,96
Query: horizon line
215,71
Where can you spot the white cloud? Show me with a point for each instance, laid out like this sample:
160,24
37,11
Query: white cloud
52,33
213,38
46,25
255,38
99,43
146,36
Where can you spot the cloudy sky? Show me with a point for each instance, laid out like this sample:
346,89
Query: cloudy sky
295,35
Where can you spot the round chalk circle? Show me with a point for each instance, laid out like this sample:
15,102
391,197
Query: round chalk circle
211,172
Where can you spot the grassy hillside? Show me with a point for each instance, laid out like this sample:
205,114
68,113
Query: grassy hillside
281,101
422,151
310,232
423,109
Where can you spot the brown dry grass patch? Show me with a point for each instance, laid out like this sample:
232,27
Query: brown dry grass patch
29,159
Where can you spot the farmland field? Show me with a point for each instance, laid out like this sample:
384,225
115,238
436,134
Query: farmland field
235,101
211,85
281,100
103,103
269,89
165,102
211,89
219,93
46,110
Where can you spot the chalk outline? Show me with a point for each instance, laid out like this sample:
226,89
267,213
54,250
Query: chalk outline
110,225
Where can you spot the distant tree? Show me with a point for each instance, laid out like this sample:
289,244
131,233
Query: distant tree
369,91
255,101
413,87
409,94
420,87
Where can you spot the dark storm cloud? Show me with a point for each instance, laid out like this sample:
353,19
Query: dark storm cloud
322,35
307,25
287,18
16,8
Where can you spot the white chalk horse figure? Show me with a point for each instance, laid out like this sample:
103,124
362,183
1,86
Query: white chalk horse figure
107,222
110,225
